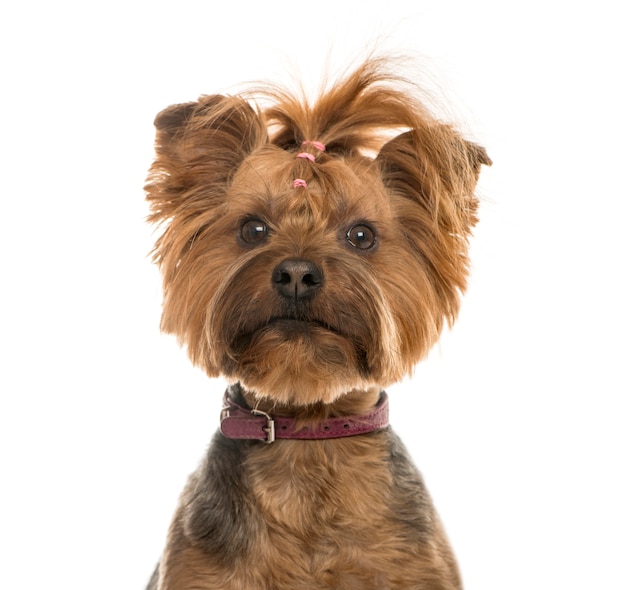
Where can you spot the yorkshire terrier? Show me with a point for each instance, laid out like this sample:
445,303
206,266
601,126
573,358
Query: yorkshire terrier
311,254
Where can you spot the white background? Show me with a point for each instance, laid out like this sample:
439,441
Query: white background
517,418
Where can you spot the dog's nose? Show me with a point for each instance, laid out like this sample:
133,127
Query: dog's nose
297,279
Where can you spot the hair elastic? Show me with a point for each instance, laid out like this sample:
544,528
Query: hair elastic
299,182
316,144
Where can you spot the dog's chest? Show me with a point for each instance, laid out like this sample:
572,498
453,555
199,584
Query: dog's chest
319,483
338,514
325,515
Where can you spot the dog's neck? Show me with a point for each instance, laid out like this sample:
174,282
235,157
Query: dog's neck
352,402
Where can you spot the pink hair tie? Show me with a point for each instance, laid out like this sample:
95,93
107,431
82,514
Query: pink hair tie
299,183
306,155
316,144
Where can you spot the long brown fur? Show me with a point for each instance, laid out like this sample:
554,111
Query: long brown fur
344,513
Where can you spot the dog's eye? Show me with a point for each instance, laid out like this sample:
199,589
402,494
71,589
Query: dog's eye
253,231
361,236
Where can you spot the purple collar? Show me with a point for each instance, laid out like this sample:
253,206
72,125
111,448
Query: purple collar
240,422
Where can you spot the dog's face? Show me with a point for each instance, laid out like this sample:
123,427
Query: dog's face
303,293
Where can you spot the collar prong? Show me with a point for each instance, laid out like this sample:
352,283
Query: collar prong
269,428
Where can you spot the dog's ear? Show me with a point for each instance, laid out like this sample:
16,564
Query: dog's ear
203,142
174,118
438,170
473,158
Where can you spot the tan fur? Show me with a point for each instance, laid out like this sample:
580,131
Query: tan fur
320,530
342,513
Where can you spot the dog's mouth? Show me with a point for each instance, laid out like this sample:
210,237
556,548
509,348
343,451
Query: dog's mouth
298,325
288,326
285,328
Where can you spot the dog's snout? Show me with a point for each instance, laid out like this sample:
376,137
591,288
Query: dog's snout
297,279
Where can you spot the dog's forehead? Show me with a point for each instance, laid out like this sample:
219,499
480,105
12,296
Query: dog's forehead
335,190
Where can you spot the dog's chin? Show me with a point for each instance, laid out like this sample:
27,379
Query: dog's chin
298,362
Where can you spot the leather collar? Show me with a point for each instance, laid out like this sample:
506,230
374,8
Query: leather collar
240,422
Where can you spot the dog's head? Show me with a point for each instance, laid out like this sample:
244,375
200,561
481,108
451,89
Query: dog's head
310,250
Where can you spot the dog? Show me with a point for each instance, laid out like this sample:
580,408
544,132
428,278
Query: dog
311,254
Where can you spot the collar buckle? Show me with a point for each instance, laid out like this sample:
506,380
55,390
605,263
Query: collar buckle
269,428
